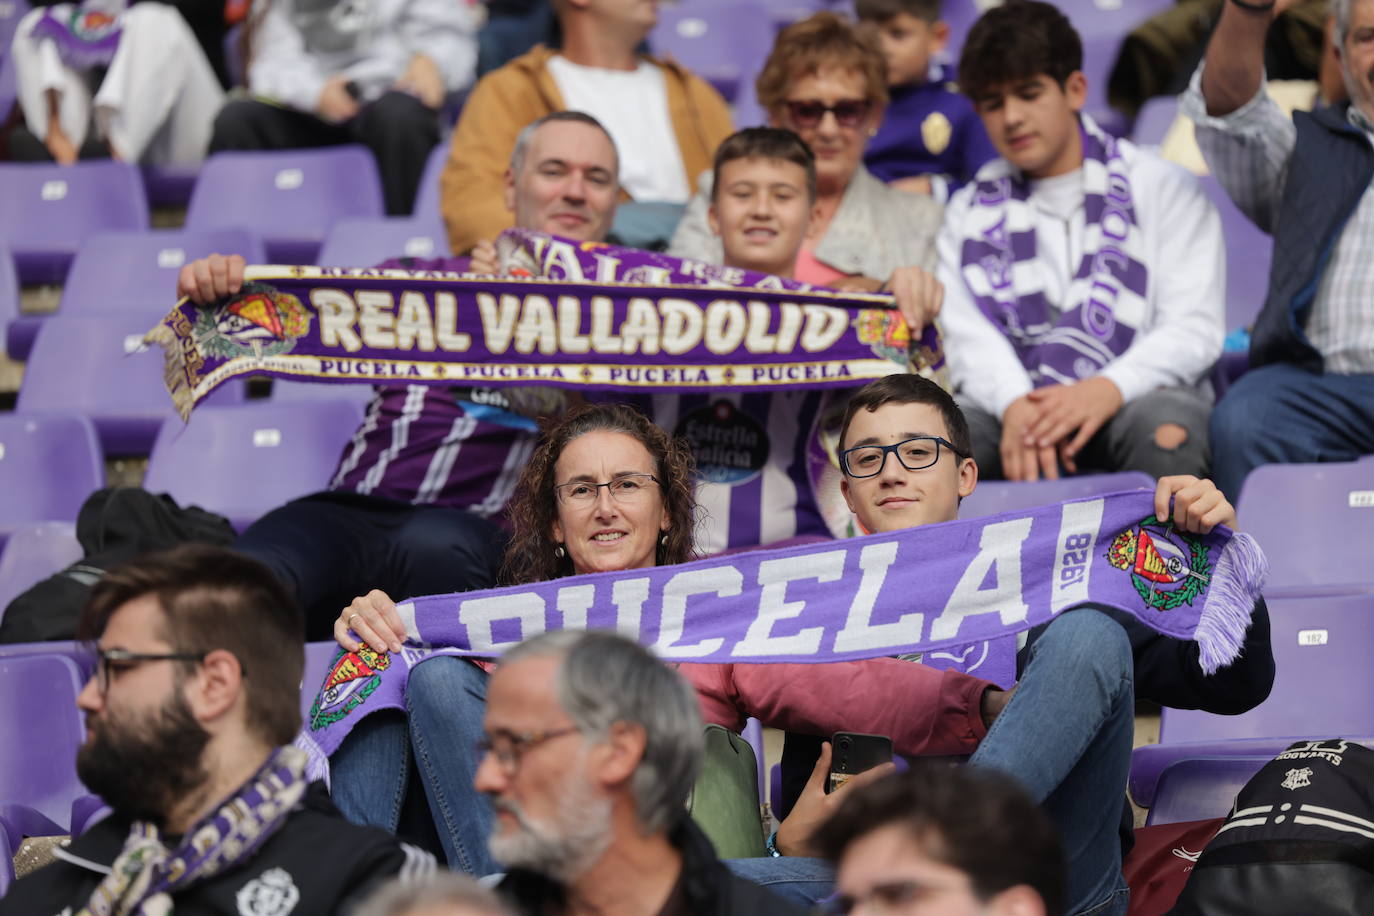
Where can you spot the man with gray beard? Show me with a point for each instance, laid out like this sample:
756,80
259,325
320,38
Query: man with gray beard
591,747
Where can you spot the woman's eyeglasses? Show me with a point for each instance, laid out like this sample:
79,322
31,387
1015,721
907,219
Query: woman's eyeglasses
848,112
626,488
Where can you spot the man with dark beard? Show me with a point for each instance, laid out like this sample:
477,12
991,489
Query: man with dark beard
190,715
591,748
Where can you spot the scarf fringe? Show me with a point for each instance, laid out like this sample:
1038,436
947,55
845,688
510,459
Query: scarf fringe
174,373
1236,585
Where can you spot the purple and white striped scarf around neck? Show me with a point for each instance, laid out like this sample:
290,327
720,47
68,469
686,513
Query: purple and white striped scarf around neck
1105,303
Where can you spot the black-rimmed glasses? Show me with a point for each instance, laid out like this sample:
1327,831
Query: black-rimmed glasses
624,488
509,747
915,454
111,661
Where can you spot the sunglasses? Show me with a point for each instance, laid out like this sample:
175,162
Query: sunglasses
848,112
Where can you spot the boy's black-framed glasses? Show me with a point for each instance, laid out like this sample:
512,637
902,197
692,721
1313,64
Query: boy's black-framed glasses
915,454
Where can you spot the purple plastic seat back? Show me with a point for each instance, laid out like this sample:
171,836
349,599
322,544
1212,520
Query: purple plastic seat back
49,463
169,185
11,11
318,657
725,42
1321,653
427,198
34,552
138,270
40,731
290,198
1318,535
49,209
285,391
365,242
245,461
996,496
6,861
119,383
9,288
9,92
1249,251
1201,787
1156,117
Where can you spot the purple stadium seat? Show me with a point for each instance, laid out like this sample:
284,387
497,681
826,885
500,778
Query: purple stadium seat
753,733
6,860
1201,787
1321,652
1248,253
994,496
285,391
959,15
1154,120
169,185
288,197
11,11
1318,535
34,552
427,201
49,463
138,270
364,242
8,91
244,461
40,731
119,383
19,329
725,42
49,209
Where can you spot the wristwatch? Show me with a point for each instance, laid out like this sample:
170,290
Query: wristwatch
772,846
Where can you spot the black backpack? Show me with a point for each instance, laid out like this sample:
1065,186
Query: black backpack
1300,839
115,524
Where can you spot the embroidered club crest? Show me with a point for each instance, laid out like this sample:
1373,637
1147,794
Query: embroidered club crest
1298,778
936,132
885,332
271,893
1168,567
351,679
257,322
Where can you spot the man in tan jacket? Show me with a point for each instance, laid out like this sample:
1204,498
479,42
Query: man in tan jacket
665,121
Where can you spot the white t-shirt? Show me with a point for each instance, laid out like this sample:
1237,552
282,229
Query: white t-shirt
633,107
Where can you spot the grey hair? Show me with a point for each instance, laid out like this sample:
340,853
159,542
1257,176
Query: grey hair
399,897
606,678
526,135
1340,9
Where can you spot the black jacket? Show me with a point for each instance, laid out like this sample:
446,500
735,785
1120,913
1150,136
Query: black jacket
316,863
711,889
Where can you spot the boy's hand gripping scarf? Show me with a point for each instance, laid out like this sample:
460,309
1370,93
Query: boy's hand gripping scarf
1106,300
572,315
924,589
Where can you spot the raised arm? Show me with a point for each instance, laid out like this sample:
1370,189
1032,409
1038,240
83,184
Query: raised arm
1235,56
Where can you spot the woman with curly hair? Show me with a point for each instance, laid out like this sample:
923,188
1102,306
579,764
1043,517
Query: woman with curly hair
604,490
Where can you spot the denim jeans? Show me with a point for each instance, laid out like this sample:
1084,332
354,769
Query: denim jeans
796,878
1280,414
446,699
328,548
1066,736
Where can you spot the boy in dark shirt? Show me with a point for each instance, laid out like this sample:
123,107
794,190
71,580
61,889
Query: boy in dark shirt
931,140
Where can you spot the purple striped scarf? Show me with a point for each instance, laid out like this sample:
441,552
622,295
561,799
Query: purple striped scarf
1105,303
926,589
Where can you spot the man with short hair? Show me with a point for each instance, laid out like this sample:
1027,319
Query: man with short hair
1309,395
666,121
965,840
1084,277
190,716
402,513
592,747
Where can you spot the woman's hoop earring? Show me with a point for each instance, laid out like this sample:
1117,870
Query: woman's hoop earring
559,552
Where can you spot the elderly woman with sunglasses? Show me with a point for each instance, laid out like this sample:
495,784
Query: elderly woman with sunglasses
607,490
826,80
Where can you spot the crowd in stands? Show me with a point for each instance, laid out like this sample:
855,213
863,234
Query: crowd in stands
1077,281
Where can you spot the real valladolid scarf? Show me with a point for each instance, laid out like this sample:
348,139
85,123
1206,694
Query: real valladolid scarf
85,34
1106,301
600,318
918,590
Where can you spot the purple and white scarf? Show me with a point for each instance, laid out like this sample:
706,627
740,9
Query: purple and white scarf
1105,303
926,589
146,873
85,34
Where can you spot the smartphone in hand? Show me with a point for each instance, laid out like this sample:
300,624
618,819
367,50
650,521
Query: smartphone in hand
852,753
